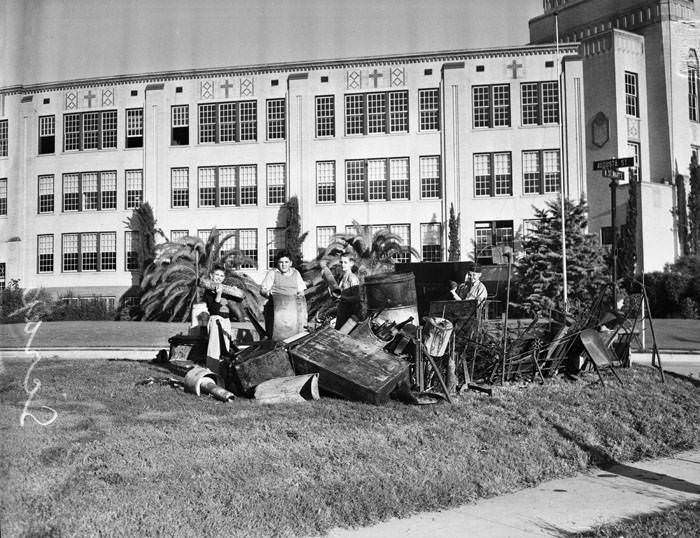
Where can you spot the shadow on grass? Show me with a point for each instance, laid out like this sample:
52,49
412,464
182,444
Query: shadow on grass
695,382
602,460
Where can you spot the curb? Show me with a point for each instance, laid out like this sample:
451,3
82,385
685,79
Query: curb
105,353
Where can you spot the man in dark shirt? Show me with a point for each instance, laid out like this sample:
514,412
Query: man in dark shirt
218,311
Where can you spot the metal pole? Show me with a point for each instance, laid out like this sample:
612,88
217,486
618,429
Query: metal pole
562,190
613,211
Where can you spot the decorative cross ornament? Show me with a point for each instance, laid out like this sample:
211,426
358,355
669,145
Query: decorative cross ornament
89,96
374,76
226,86
514,66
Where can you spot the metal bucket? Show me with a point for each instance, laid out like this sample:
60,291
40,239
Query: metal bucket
436,335
392,294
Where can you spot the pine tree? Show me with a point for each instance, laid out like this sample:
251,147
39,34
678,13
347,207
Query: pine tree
627,239
454,252
682,215
293,238
540,270
694,208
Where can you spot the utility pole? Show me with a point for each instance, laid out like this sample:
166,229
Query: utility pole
562,167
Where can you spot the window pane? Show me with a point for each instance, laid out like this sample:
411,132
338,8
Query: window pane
249,120
354,114
552,181
376,173
227,122
46,195
207,123
180,187
324,236
275,243
88,252
325,115
400,185
550,102
482,174
45,253
430,177
531,172
109,129
501,105
249,185
108,188
404,232
325,182
134,188
501,164
248,245
91,130
276,184
398,112
431,242
482,106
71,132
70,252
71,192
530,103
108,251
429,109
207,187
355,180
89,191
631,94
227,185
376,113
275,119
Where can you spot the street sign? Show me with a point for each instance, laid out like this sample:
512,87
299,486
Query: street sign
617,162
613,174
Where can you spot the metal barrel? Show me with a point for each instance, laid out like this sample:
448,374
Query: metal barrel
393,294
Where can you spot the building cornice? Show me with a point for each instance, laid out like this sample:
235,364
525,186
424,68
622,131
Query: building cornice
294,67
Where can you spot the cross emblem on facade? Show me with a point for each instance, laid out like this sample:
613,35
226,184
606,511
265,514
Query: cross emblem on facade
226,87
514,66
375,76
89,96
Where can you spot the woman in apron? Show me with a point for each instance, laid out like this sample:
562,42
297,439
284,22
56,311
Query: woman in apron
285,312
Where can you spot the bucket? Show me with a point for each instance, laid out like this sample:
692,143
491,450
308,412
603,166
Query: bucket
392,294
436,335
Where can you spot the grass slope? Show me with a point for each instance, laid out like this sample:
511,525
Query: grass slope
130,460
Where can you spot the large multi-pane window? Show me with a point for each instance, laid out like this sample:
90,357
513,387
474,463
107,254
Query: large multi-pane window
325,115
228,122
134,188
84,191
276,119
245,241
180,125
429,109
491,234
634,151
90,251
431,242
276,184
491,105
221,186
324,237
541,171
275,243
46,194
539,102
131,248
493,174
325,182
90,130
179,187
430,177
631,94
44,253
47,134
177,235
377,179
384,112
3,138
3,196
134,127
693,74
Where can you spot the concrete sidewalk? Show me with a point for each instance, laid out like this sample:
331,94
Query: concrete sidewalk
563,505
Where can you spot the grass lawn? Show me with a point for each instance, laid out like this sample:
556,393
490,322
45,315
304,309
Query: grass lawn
683,520
93,333
133,460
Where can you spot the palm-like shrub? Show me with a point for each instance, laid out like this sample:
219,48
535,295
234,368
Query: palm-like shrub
374,253
170,282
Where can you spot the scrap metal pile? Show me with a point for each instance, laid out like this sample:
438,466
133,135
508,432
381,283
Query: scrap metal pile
386,356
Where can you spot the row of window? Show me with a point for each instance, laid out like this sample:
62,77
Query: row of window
237,121
90,191
97,251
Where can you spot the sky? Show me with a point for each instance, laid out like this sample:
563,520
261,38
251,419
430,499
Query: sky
51,40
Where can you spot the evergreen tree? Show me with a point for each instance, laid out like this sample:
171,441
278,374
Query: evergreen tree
682,214
694,208
540,269
293,238
627,239
454,252
143,222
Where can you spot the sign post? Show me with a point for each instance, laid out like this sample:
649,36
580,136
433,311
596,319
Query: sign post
609,170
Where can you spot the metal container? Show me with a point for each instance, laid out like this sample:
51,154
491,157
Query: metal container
436,335
289,315
260,362
349,368
392,294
